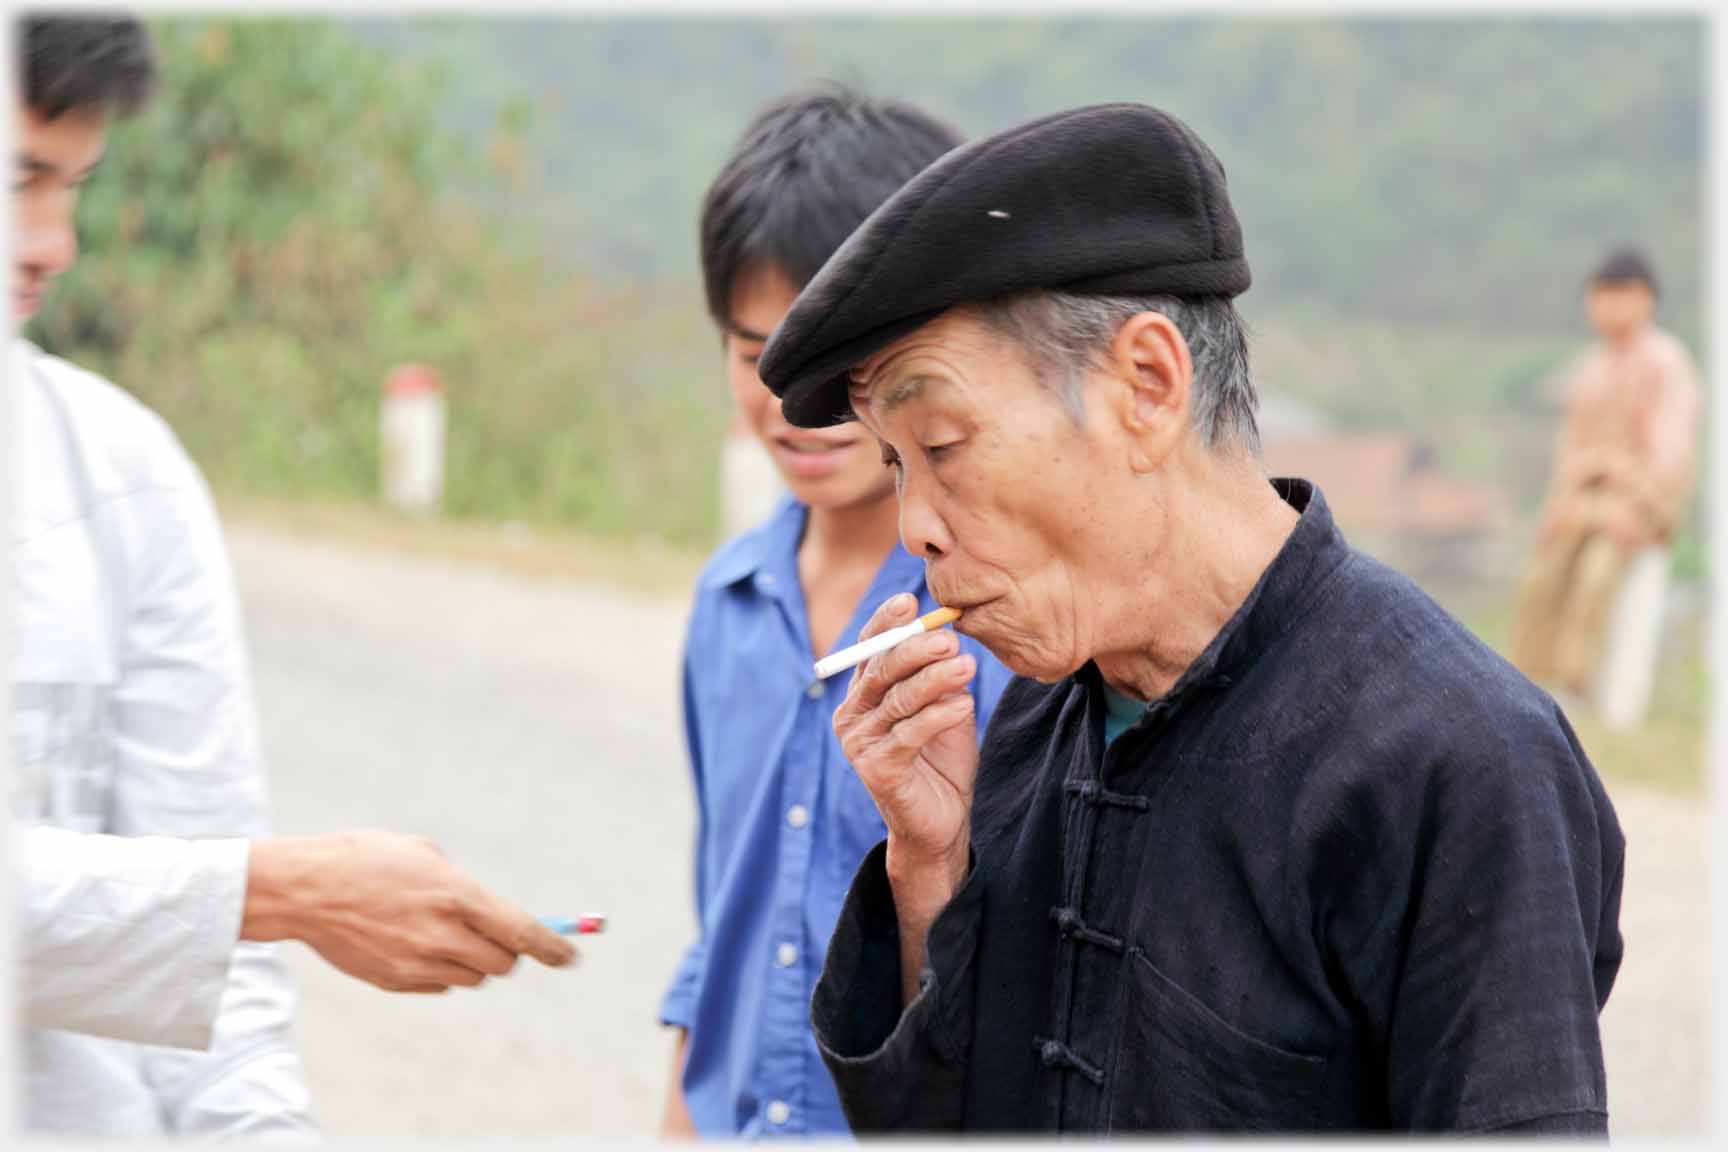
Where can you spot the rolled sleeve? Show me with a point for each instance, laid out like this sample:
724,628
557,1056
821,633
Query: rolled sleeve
678,1006
250,1083
897,1070
130,937
1512,949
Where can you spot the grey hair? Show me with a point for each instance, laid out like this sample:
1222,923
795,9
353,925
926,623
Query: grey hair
1063,335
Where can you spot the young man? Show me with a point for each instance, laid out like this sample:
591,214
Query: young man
138,780
783,821
132,712
1623,474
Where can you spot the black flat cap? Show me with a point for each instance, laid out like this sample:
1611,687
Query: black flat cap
1111,199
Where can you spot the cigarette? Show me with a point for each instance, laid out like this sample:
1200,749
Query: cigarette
575,925
882,641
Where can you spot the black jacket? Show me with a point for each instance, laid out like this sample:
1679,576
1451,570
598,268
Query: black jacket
1352,873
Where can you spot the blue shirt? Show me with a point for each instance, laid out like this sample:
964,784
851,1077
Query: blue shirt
783,823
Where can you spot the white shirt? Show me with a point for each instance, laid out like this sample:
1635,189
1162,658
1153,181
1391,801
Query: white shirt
133,716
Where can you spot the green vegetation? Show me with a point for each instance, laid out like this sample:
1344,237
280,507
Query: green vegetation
1418,171
513,201
279,230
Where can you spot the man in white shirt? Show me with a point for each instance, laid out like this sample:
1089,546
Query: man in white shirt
129,936
133,718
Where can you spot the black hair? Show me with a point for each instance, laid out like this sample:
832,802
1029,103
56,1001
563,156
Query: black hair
806,172
99,63
1624,265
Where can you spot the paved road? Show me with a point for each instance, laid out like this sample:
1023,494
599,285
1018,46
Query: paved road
533,730
1656,1027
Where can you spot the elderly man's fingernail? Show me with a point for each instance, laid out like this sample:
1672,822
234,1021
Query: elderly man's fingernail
903,602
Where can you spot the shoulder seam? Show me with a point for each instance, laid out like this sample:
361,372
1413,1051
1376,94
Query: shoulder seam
85,512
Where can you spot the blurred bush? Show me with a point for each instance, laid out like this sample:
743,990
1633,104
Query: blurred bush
282,226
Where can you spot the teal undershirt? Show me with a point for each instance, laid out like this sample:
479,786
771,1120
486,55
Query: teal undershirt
1122,712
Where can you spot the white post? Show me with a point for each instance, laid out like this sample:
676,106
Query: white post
749,484
1626,674
411,425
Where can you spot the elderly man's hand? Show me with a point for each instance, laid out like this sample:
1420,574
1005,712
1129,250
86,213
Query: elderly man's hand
390,910
908,727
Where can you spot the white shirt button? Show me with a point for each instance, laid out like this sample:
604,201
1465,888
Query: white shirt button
787,955
798,816
767,579
814,691
779,1112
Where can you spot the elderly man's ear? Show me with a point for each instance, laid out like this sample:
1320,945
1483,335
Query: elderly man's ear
1153,371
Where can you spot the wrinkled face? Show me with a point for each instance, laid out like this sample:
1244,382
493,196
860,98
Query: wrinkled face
52,159
1619,308
1003,492
825,468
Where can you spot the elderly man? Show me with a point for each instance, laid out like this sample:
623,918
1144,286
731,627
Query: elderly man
1260,838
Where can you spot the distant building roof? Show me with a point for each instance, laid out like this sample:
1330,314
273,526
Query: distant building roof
1378,482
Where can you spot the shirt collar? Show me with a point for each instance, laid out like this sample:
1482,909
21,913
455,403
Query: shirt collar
1294,579
771,550
1312,552
764,547
1122,706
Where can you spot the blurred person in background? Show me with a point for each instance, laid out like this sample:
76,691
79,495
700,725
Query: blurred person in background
782,819
139,795
1589,612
